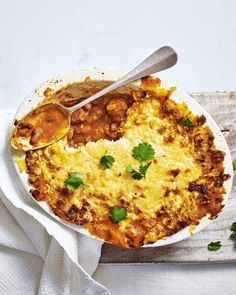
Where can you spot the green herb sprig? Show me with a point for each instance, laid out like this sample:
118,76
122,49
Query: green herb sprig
74,181
214,246
188,122
140,173
107,161
234,164
233,230
117,214
143,152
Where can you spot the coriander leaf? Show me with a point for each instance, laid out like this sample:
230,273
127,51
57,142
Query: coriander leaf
214,246
143,169
142,152
117,214
74,181
234,164
233,226
107,161
233,235
135,174
188,122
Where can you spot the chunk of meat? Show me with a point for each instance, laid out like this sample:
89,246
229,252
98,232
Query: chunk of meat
117,109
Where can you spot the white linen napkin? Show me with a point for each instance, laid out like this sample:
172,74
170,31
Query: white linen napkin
62,259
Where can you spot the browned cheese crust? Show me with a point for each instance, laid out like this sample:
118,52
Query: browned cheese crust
106,119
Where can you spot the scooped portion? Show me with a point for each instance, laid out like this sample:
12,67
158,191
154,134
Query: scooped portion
103,118
47,123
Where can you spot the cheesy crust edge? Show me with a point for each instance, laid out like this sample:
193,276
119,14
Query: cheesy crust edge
183,184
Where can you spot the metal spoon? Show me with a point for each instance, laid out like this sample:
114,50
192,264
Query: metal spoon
41,120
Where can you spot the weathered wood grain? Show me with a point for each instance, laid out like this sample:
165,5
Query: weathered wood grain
222,107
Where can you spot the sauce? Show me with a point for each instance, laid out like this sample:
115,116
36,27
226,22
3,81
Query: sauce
101,119
43,125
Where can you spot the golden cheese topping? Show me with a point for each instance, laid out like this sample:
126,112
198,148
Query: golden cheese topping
183,183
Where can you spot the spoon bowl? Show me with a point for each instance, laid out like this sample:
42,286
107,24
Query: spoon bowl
42,126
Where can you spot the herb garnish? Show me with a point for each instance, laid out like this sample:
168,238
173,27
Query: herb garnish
117,214
214,246
143,152
233,235
107,161
74,181
234,164
233,226
188,122
142,170
233,229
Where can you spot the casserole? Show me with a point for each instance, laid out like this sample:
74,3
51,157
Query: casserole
170,182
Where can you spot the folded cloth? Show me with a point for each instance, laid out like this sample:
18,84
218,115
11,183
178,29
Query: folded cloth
53,259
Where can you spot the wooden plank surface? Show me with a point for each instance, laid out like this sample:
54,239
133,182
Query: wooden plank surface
222,107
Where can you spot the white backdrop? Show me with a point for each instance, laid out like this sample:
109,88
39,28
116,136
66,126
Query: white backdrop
41,38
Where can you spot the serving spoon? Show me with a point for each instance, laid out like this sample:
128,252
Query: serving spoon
51,121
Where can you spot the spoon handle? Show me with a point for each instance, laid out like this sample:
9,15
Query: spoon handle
162,59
